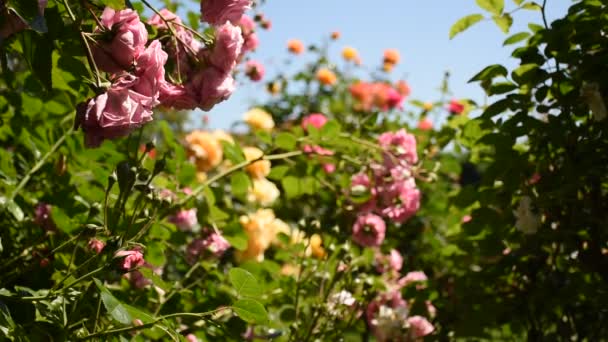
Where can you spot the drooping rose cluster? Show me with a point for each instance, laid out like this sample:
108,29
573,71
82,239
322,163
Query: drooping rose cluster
379,95
389,189
137,73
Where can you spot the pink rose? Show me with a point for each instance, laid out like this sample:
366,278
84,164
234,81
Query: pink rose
403,205
316,149
191,338
420,326
212,87
393,98
96,245
413,277
217,12
177,96
254,70
227,47
329,168
185,220
369,230
250,43
131,259
391,262
316,120
214,243
114,113
159,23
247,25
124,38
150,70
400,144
456,107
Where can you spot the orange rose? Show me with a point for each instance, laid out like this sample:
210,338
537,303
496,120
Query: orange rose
391,56
295,46
326,77
349,53
260,168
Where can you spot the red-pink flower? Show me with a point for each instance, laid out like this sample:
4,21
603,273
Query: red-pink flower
115,113
369,230
316,120
214,243
212,86
43,218
329,168
316,149
185,220
420,326
217,12
131,259
456,107
150,70
425,125
403,203
254,70
96,245
123,39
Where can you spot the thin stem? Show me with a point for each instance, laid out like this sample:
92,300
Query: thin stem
153,323
40,163
97,314
90,58
69,10
84,277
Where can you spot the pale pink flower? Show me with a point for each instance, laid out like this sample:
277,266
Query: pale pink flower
96,245
404,205
177,96
131,259
214,243
212,87
127,37
254,70
150,70
217,12
425,125
250,43
316,120
315,149
420,326
185,219
159,23
430,308
191,338
369,230
329,168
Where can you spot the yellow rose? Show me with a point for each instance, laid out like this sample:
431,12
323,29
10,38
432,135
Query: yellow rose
259,119
316,247
263,192
204,150
349,53
260,168
261,229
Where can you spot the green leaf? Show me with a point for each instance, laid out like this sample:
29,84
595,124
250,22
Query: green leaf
501,88
62,220
278,172
524,72
331,129
115,4
114,307
464,23
286,141
291,185
240,183
531,6
493,6
233,152
238,241
155,278
38,50
250,311
14,209
244,283
516,38
490,72
503,22
155,254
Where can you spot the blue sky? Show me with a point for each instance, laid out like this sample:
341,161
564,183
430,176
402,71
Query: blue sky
418,29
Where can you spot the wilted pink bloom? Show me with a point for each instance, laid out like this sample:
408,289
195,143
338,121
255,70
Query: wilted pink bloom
185,220
400,144
425,125
369,230
159,23
217,12
123,39
96,245
212,87
132,259
214,243
413,277
177,96
114,113
329,168
227,47
456,107
43,218
316,120
254,70
391,262
420,326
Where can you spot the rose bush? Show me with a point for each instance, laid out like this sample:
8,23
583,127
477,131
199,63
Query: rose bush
346,211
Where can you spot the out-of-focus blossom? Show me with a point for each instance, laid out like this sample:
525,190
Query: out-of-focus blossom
217,12
391,56
369,230
326,77
419,326
425,125
254,70
263,192
130,259
349,53
96,245
456,107
295,46
185,219
259,119
316,120
527,221
260,168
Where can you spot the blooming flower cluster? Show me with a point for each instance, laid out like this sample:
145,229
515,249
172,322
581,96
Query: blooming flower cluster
379,95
